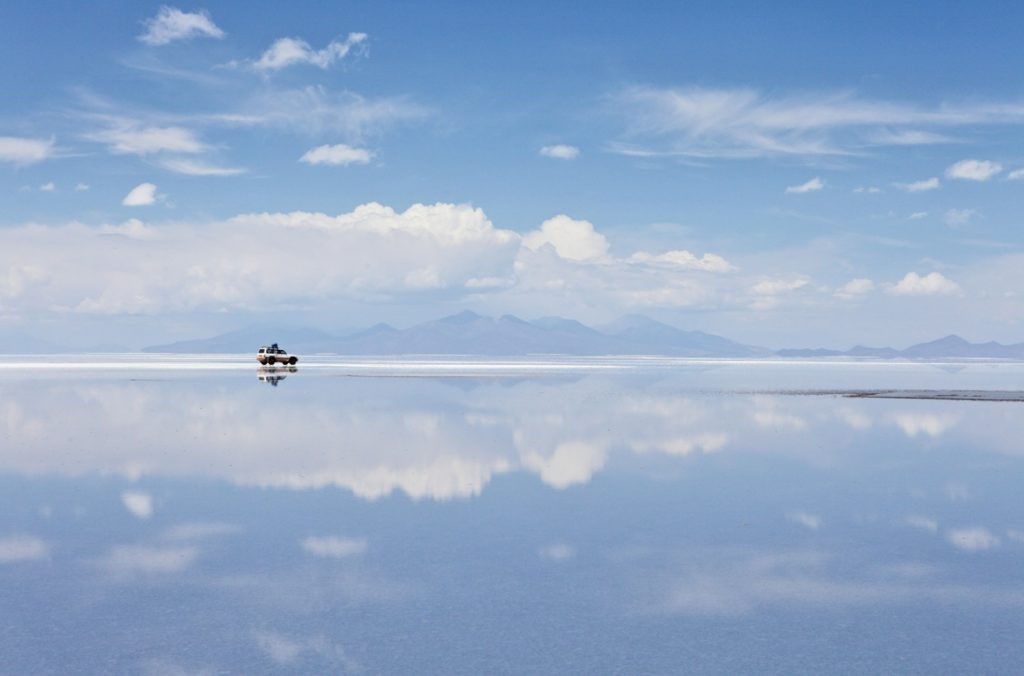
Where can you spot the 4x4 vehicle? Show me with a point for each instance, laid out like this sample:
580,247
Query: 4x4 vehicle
274,355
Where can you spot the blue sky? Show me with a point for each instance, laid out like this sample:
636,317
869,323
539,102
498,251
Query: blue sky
797,175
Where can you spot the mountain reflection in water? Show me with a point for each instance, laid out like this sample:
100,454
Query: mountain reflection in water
639,520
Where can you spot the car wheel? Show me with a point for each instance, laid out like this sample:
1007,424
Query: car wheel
293,361
270,360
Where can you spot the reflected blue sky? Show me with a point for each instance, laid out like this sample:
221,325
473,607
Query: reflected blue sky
637,520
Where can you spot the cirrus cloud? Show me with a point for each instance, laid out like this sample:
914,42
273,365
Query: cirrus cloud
292,51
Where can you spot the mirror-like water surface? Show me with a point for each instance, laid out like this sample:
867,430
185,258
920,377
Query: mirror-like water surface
200,515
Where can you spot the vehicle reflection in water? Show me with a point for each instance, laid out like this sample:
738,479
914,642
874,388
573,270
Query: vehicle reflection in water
589,523
272,375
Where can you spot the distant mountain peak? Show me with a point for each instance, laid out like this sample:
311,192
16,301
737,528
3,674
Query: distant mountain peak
464,317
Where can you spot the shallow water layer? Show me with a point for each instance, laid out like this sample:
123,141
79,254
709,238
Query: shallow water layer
200,515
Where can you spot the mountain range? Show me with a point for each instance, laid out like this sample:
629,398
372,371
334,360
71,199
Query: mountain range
471,334
468,333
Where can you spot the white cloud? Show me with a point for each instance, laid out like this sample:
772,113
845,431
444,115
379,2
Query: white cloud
919,186
199,530
26,150
809,521
130,138
139,504
972,539
291,51
775,287
557,552
144,194
684,259
49,186
135,559
934,283
571,463
20,548
315,110
170,23
1016,175
931,424
870,190
334,547
810,186
572,239
197,168
855,288
736,123
560,151
918,215
957,217
974,170
922,523
81,187
340,154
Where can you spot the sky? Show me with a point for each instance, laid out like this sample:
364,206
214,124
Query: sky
810,174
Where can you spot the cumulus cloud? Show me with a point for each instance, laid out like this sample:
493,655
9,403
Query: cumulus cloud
337,155
560,152
737,123
170,24
190,167
367,254
930,424
49,186
139,504
144,194
934,283
334,547
571,463
918,215
22,151
810,186
1016,175
855,288
572,239
291,51
919,186
869,189
684,259
974,170
81,187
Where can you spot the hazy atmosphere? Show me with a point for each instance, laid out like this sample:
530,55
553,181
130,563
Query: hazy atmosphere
804,175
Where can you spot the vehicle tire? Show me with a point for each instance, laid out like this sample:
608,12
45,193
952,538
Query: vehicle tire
293,361
271,360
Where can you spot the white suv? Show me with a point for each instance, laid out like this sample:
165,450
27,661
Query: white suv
275,355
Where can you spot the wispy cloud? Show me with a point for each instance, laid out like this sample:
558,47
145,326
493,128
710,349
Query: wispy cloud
919,186
138,503
737,123
18,150
128,137
918,215
1016,175
955,217
190,167
337,155
292,51
810,186
19,548
972,539
170,24
334,547
560,151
